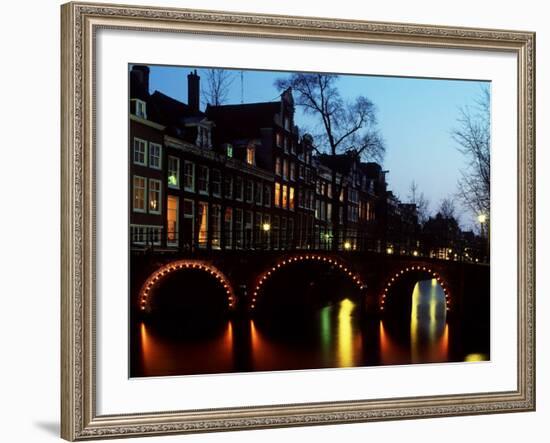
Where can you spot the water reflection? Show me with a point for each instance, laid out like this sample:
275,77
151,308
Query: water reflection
336,333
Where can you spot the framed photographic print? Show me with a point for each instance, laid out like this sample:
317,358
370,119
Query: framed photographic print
281,221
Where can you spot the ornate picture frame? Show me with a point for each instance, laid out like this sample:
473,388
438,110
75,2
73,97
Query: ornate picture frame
80,23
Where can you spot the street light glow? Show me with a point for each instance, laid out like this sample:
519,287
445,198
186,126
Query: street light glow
482,218
389,250
266,227
347,245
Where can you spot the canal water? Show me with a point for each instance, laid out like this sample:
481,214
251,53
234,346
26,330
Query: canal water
293,332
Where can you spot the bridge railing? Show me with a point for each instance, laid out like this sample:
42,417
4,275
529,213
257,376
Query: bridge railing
277,239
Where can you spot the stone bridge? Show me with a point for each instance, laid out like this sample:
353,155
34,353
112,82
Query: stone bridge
377,276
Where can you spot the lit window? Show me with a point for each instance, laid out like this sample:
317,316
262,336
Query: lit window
154,196
140,152
188,222
229,151
189,176
140,188
216,225
172,221
155,155
284,203
291,198
250,155
277,194
227,227
202,209
216,182
173,172
202,182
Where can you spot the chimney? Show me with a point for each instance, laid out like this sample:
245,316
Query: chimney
139,82
193,91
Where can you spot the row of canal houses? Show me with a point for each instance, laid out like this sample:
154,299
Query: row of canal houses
243,177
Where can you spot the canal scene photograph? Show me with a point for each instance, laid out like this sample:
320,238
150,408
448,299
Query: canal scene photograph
283,221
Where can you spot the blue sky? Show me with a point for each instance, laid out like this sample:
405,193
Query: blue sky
415,117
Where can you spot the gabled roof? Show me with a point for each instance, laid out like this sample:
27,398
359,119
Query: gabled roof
170,111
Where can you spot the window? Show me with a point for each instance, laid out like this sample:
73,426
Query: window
250,155
275,229
141,109
202,217
227,227
172,221
283,235
238,228
202,182
173,172
140,188
189,176
323,213
284,202
278,166
292,171
278,139
259,193
203,137
155,155
291,198
329,211
188,222
216,182
285,144
229,150
228,186
249,191
238,188
287,123
216,225
248,229
329,190
277,194
293,147
285,169
300,198
317,208
267,195
154,196
291,232
301,171
145,235
140,152
258,230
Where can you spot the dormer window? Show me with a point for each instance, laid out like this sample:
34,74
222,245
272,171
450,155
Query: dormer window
203,137
141,109
251,155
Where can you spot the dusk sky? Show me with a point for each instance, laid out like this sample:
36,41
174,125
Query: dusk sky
415,118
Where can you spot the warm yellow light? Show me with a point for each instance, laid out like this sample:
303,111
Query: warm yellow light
389,250
415,253
266,227
347,245
475,357
482,218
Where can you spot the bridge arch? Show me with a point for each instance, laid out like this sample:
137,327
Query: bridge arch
267,275
147,289
406,271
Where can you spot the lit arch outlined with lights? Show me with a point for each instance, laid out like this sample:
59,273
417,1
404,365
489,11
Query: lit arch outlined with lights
145,294
354,276
426,269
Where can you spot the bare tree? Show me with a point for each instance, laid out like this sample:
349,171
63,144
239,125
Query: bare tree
346,127
447,209
473,136
218,84
420,201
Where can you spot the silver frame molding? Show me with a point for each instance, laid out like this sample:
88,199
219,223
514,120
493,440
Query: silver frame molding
79,22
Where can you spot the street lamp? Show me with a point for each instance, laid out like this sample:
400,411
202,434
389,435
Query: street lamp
482,218
389,250
266,227
347,245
